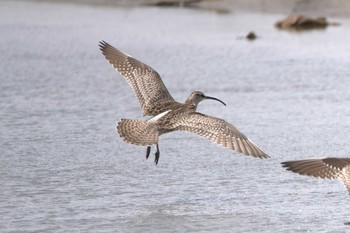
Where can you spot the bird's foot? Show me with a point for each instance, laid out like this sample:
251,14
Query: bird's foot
148,151
156,156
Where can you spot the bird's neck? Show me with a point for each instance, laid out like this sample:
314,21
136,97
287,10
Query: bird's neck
191,104
192,107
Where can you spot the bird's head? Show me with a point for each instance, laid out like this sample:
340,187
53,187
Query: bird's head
197,96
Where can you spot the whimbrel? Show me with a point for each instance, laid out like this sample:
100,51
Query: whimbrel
168,115
327,168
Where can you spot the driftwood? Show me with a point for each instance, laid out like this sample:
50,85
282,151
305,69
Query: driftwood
297,21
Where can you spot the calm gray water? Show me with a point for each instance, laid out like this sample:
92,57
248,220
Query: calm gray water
63,168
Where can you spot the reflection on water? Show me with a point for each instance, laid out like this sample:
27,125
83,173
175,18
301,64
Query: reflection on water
63,167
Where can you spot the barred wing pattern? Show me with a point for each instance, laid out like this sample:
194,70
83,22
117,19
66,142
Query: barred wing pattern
220,132
146,83
345,177
331,168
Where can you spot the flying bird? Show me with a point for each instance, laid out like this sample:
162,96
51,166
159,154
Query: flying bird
326,168
168,115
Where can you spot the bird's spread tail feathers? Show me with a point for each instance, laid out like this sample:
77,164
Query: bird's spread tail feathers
138,132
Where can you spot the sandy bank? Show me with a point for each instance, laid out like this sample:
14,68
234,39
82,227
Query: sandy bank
314,8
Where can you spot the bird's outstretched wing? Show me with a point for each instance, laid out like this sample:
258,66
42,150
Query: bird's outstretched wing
331,168
146,83
220,132
321,167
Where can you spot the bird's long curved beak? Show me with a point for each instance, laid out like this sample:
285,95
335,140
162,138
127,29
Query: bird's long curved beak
212,98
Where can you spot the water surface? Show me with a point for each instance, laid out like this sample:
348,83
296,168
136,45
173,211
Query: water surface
64,168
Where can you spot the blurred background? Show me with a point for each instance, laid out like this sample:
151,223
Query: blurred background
64,168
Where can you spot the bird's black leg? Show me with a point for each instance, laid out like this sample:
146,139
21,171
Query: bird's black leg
148,151
156,155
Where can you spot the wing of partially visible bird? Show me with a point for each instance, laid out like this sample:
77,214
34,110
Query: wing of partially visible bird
220,132
345,177
322,168
146,83
331,168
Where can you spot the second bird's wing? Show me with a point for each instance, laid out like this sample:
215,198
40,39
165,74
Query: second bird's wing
318,167
331,168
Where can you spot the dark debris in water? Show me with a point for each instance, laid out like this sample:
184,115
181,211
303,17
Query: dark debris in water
251,36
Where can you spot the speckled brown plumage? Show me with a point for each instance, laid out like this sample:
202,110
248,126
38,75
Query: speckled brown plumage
153,96
327,168
167,114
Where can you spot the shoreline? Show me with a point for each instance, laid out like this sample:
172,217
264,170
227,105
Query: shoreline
311,8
